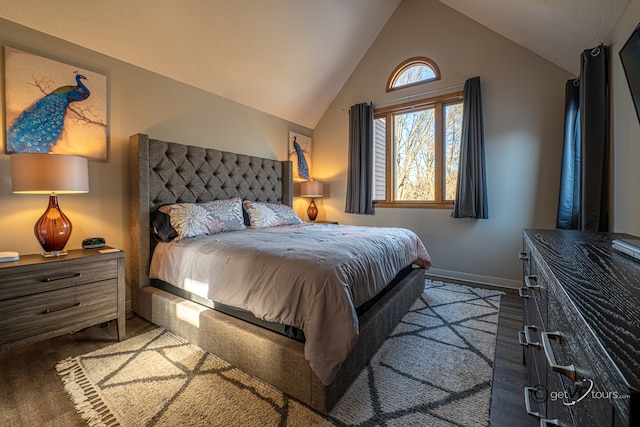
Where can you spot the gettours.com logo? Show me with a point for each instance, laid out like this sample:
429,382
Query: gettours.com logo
572,395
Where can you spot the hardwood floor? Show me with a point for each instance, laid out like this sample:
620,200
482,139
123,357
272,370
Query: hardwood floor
31,393
510,374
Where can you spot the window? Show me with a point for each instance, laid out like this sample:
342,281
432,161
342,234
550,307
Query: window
417,150
413,71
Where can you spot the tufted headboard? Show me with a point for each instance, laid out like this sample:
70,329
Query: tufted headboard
167,172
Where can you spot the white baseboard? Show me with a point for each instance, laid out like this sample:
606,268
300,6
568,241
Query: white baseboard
474,278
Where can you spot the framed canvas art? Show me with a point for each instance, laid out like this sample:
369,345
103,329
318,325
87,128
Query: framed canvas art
300,155
52,107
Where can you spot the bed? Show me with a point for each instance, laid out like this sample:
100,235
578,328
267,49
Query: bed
163,173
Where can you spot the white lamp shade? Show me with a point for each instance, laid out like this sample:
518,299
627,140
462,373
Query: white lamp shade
34,173
311,189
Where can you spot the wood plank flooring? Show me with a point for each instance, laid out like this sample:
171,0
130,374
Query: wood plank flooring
510,374
31,393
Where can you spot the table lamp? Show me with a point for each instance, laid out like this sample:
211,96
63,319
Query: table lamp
311,189
53,174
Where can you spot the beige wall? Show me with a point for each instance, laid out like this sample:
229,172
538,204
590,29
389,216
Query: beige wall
139,101
523,111
625,133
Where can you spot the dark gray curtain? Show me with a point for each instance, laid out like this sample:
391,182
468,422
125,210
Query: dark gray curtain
471,194
591,158
360,169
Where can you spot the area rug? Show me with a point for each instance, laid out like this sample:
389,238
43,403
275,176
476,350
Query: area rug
435,369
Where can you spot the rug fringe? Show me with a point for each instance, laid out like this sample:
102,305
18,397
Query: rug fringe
86,398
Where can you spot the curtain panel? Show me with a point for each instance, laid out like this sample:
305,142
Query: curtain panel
583,205
471,193
360,166
569,204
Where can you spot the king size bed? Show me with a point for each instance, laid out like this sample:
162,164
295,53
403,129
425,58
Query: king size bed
300,306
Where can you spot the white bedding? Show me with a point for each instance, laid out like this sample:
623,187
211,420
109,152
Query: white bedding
310,276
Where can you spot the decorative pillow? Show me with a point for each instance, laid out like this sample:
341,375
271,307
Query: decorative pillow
161,226
263,214
196,219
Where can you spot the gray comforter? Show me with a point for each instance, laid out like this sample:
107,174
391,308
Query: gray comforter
310,276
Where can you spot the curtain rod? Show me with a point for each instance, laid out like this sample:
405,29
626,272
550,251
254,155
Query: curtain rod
417,94
376,104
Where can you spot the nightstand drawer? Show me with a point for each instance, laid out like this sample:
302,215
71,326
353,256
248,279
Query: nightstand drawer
56,312
45,277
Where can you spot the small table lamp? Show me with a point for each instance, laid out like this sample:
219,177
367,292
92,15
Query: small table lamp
311,189
53,174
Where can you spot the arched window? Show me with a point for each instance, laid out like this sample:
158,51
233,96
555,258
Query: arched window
413,71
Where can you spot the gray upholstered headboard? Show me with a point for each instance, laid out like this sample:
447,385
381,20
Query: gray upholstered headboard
166,172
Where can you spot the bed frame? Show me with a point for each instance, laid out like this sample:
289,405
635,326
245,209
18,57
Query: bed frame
165,172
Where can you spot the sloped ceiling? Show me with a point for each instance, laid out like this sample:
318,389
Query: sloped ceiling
290,58
558,30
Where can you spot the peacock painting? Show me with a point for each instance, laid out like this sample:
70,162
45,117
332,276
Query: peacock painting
38,128
53,107
299,153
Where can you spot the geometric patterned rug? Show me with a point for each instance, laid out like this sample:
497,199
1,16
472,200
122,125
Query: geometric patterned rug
435,369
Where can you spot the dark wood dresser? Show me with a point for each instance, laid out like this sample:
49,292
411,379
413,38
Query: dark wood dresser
581,334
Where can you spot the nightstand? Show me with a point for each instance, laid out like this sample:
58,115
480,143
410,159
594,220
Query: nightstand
41,298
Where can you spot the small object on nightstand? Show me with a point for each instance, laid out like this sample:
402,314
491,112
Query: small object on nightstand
93,242
9,256
108,251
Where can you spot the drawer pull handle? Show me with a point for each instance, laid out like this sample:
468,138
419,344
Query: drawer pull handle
68,276
523,256
53,310
527,282
525,339
545,422
523,293
522,339
566,370
528,391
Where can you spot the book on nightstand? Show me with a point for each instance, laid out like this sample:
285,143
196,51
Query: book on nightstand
6,256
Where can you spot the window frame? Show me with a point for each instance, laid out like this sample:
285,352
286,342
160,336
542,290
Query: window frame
438,103
408,63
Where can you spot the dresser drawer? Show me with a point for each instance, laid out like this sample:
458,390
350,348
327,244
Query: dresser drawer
572,344
533,290
44,277
56,312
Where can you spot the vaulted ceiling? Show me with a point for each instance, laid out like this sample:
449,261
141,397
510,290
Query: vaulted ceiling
290,58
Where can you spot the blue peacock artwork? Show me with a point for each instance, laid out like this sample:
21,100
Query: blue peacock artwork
303,168
40,126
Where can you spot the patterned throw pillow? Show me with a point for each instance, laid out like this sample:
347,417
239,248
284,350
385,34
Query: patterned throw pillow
196,219
270,214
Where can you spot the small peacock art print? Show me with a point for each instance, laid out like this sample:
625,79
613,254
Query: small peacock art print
300,155
53,107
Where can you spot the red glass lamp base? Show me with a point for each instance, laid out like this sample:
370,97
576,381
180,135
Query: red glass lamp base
53,229
312,211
